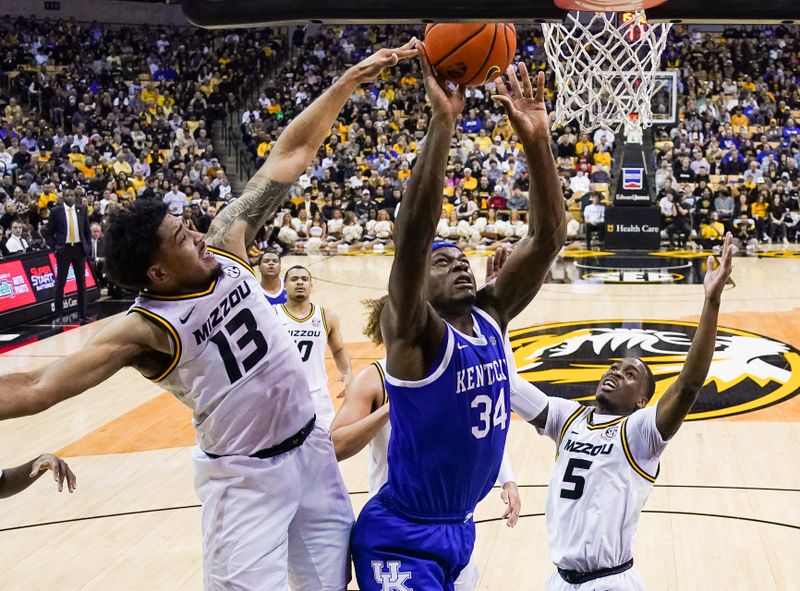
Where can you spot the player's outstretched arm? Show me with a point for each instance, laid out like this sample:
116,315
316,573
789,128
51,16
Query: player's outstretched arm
527,267
357,421
129,341
406,318
236,225
15,480
338,350
682,394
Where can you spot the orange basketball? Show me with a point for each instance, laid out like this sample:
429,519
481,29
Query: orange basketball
470,54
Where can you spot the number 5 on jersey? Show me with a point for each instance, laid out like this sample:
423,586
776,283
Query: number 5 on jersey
488,419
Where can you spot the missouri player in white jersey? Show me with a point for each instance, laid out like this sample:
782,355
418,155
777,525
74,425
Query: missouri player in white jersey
275,510
607,456
312,328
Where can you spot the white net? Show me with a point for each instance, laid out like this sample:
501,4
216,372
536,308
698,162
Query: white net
605,66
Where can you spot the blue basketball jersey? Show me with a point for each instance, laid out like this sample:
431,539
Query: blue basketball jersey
449,429
277,298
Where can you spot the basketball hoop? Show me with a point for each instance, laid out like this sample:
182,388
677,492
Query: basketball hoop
605,65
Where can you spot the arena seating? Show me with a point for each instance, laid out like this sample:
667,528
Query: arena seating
139,125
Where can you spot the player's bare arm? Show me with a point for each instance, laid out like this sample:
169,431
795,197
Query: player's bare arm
130,341
362,414
15,480
412,330
528,401
338,350
527,267
236,225
681,395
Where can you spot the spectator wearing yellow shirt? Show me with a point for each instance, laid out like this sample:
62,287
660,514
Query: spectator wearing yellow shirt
48,196
584,142
121,165
739,120
264,148
758,211
447,207
138,182
503,128
87,167
712,232
149,94
470,182
603,158
483,141
405,172
408,80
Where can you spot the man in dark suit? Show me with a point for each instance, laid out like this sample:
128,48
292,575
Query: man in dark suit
70,238
308,204
97,253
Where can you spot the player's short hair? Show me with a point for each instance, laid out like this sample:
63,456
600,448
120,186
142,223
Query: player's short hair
133,242
372,329
650,380
268,250
290,269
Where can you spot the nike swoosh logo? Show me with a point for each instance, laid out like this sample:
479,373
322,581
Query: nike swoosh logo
185,319
460,346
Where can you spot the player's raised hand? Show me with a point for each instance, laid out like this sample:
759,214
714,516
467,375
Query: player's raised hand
716,279
61,471
443,100
494,263
371,67
510,496
524,104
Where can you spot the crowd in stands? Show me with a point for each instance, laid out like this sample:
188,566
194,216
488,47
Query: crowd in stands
731,162
116,114
126,113
733,151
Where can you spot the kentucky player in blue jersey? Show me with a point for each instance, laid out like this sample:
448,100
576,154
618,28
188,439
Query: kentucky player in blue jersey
447,375
269,266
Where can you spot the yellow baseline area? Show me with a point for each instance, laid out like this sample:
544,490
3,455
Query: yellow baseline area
163,422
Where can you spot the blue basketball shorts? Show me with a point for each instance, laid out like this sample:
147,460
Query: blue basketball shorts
392,552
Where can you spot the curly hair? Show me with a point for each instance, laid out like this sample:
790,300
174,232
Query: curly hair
372,329
133,242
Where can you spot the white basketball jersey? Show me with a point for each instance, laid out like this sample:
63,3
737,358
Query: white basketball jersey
378,469
310,334
232,362
605,469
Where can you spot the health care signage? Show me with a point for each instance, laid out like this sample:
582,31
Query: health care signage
32,280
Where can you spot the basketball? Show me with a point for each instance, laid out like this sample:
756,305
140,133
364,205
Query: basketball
470,54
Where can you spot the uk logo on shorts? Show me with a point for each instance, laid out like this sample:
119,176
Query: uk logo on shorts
394,579
232,271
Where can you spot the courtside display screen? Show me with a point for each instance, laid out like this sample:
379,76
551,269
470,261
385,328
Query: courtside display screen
30,281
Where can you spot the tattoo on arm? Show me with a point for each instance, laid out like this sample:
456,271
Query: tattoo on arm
259,201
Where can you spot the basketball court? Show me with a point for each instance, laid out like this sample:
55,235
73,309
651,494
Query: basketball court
724,514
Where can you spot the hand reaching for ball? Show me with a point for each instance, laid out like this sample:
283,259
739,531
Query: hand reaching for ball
371,67
526,109
444,102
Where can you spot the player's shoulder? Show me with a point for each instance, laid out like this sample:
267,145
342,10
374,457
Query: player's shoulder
134,331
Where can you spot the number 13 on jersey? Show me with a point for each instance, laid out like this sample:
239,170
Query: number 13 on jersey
490,415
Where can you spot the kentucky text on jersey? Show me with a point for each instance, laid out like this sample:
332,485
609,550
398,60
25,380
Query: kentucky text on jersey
219,314
477,376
